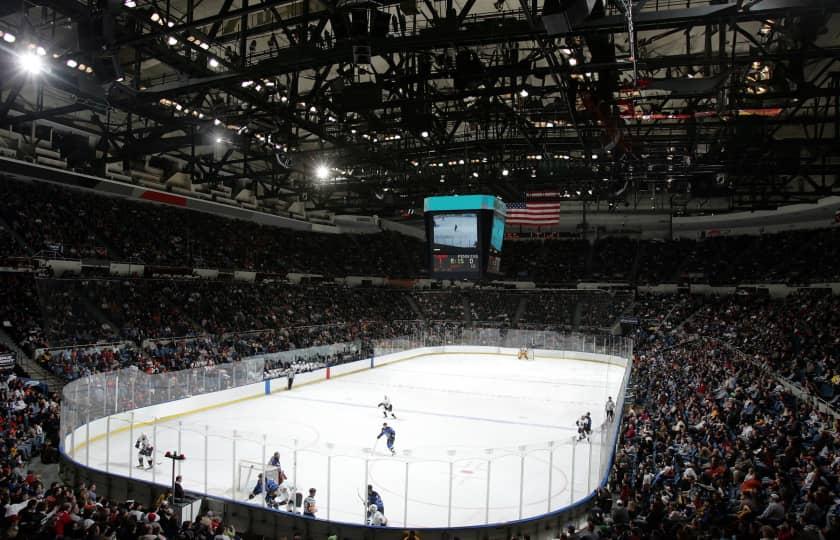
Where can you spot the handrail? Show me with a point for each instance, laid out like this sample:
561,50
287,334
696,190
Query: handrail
796,389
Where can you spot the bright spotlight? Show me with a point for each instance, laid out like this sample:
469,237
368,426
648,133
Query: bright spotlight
322,172
72,63
9,38
31,63
505,172
214,63
424,134
172,41
523,93
218,140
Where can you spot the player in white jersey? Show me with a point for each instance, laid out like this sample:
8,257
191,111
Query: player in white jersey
609,408
146,450
584,426
387,408
375,517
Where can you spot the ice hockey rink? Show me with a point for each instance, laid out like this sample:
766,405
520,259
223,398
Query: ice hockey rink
501,429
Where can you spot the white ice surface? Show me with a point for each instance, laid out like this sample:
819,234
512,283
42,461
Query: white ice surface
451,409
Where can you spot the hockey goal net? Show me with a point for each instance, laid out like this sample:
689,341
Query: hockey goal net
248,474
525,354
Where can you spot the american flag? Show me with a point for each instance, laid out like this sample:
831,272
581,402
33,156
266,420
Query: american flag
533,214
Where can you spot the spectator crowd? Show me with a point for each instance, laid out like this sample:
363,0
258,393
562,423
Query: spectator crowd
723,437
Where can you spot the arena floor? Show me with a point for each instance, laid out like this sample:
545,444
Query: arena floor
451,409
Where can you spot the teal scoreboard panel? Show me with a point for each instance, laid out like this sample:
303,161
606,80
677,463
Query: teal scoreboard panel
465,235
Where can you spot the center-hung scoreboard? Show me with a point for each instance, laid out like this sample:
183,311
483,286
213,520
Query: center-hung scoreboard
465,234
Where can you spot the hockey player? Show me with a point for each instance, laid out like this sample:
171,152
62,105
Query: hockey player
387,408
270,486
375,517
609,408
279,498
390,434
374,498
274,461
146,451
584,426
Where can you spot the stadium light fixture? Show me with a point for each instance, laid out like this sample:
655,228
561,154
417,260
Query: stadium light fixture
72,63
9,37
172,41
322,172
424,134
214,63
505,172
523,93
31,63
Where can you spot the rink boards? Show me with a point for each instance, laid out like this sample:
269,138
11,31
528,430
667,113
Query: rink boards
505,465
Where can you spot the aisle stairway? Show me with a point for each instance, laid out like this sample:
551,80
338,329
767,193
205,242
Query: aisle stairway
418,313
19,241
30,366
520,310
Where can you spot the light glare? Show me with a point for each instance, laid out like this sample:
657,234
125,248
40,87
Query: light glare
31,63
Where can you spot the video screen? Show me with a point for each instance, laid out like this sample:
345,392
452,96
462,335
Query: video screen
497,233
455,230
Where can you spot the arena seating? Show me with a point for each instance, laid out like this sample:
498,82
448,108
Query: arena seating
713,446
709,444
75,224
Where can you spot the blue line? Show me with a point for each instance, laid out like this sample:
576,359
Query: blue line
461,417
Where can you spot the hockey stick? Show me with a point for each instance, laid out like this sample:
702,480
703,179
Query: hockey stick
364,504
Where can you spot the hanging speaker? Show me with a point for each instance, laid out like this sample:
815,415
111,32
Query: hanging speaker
361,55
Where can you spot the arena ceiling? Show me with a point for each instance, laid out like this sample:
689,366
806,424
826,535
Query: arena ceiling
368,106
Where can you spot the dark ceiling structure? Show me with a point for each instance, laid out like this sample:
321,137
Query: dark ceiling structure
363,106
